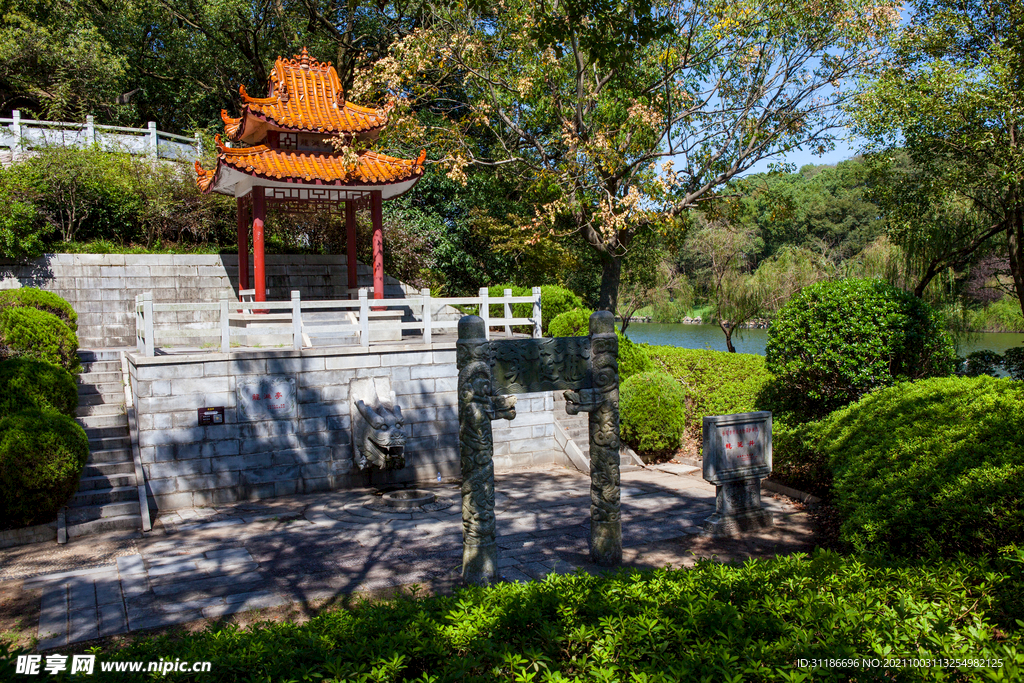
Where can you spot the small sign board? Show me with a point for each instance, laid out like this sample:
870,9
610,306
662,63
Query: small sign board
211,416
266,398
737,446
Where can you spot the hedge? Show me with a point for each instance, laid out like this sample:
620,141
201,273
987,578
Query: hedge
930,468
37,334
41,459
834,341
554,300
30,383
652,413
714,622
574,323
29,297
716,382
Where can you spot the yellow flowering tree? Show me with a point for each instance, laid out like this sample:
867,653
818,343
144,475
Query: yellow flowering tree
616,117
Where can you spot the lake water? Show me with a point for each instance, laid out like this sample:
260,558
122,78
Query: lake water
754,341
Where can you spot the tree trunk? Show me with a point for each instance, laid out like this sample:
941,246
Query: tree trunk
1015,245
611,271
727,329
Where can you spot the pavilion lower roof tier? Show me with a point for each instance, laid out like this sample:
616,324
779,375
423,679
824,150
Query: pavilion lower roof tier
305,96
240,169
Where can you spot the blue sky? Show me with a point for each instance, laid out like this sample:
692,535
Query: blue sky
844,149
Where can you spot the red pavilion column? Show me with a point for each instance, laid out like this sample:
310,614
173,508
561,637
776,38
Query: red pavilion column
350,251
378,245
258,267
243,244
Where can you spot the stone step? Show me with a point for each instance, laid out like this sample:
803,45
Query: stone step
101,366
93,355
100,399
101,378
77,515
106,481
97,409
116,494
107,432
108,421
105,524
109,469
113,453
108,389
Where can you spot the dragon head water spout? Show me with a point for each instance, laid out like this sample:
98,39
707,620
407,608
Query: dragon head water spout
377,434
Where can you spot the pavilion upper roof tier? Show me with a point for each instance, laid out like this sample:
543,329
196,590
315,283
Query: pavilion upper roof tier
240,168
305,96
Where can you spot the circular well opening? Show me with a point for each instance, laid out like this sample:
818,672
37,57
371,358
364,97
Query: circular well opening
408,499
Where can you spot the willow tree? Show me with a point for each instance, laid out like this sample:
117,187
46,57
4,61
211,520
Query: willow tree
952,100
616,117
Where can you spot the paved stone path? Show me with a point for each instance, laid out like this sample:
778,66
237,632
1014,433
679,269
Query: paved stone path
211,562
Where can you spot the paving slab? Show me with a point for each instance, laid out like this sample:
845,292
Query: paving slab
213,562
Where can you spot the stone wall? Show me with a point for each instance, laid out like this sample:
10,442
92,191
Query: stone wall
102,287
188,465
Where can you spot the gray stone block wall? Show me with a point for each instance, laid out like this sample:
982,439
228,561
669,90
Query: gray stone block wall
102,287
188,465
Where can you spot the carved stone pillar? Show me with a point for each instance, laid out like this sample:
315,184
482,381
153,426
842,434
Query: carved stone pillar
605,520
477,407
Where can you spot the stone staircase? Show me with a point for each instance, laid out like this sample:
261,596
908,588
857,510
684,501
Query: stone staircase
107,498
576,428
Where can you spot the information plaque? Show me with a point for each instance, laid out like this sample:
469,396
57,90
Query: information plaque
266,398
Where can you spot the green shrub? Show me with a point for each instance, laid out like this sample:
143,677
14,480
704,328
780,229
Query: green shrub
716,382
23,232
649,626
29,297
574,323
837,340
932,467
28,383
652,412
554,301
1013,362
798,461
37,334
984,362
633,358
41,459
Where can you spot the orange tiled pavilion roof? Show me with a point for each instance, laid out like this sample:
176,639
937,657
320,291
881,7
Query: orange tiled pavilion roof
370,169
305,95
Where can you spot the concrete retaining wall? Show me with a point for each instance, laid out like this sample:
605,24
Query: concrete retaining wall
187,465
102,287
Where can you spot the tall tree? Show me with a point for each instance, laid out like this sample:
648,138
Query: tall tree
952,98
619,116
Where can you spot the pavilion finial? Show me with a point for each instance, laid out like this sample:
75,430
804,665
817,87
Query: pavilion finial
304,58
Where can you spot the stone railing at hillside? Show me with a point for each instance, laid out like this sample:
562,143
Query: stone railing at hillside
20,136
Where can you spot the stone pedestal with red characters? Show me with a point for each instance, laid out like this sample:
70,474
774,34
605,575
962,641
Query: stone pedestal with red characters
737,456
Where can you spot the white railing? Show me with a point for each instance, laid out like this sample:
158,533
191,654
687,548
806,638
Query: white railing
359,313
21,135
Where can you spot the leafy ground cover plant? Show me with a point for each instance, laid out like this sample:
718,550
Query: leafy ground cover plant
32,333
714,622
29,383
930,468
715,382
42,454
652,409
31,297
837,340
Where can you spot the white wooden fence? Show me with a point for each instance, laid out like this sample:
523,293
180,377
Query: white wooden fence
21,135
361,326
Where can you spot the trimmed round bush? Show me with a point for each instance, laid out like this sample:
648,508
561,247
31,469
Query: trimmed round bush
41,459
633,358
835,341
1013,362
930,468
554,301
30,297
29,383
652,412
574,323
32,333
